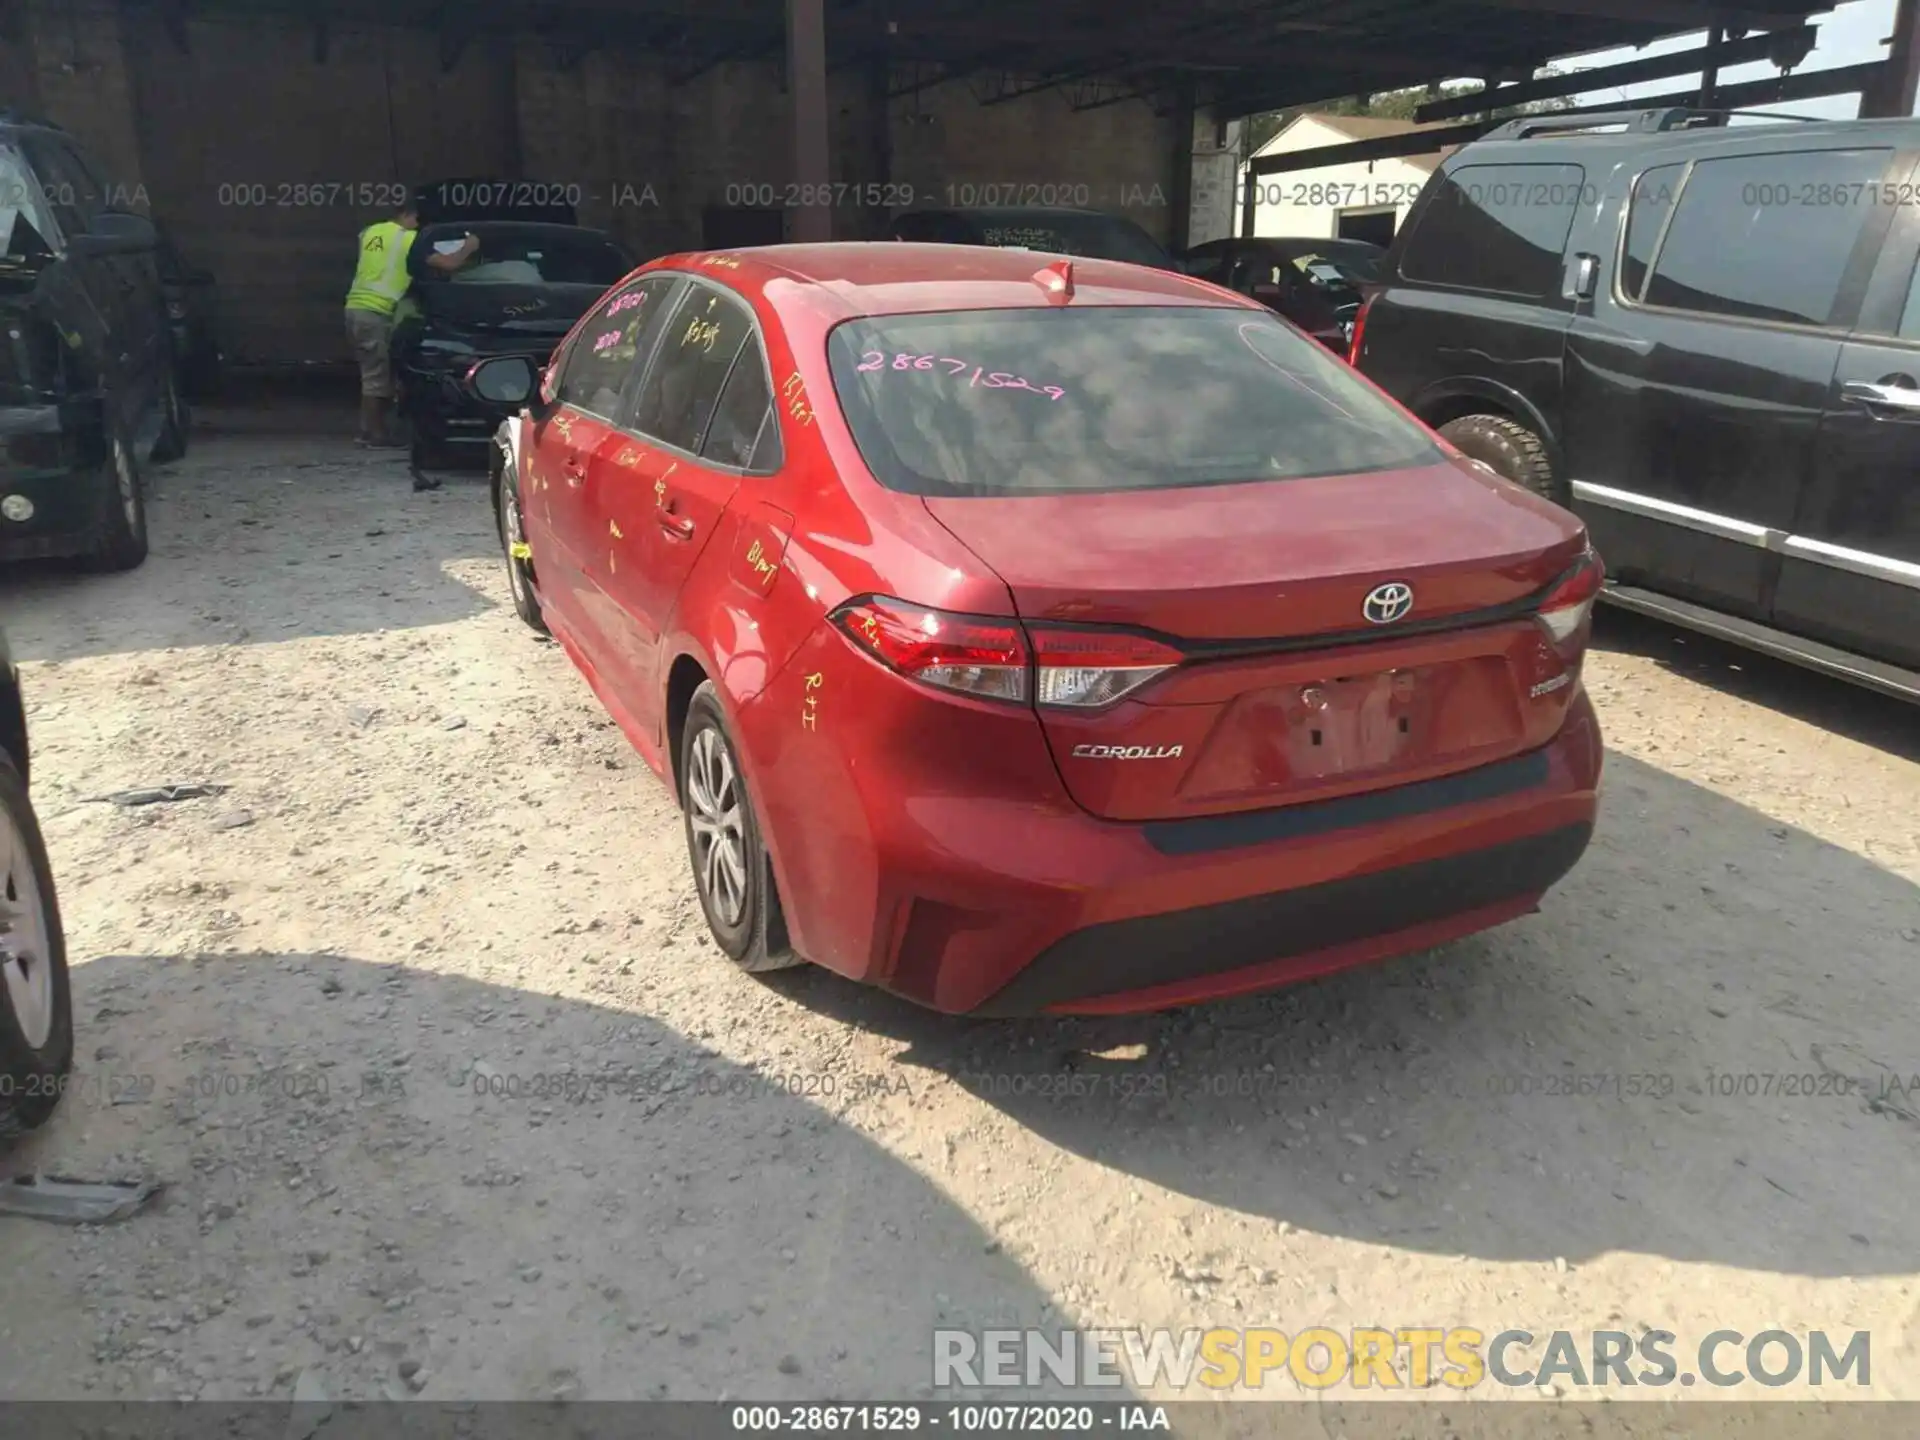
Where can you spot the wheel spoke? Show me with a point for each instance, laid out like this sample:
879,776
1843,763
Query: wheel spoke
25,957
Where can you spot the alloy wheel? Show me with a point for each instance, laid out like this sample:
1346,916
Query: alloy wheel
26,964
718,819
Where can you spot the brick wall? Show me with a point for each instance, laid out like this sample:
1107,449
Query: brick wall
224,134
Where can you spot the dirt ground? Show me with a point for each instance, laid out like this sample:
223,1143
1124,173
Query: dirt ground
440,873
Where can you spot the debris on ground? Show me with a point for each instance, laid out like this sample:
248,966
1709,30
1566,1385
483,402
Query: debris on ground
157,795
76,1202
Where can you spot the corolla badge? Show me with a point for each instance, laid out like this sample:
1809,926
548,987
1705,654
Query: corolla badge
1388,603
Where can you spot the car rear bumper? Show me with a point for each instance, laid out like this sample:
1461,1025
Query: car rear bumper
1027,908
52,457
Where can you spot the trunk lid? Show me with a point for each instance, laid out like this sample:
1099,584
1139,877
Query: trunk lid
1290,693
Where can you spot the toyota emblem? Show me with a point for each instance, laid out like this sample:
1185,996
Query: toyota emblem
1389,603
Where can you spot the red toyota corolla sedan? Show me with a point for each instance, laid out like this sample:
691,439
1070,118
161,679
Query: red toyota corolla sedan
1030,637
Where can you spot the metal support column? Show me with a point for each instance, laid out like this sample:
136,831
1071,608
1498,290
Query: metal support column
1892,97
1179,230
807,93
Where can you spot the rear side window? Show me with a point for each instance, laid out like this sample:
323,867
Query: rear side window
702,340
1767,237
744,416
1051,401
612,343
1654,194
1501,228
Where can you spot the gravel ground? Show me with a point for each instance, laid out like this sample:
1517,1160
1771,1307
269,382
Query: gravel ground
440,873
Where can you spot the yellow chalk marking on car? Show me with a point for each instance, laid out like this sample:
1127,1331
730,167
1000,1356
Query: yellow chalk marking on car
613,529
521,550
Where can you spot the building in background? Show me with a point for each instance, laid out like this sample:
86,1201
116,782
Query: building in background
1364,200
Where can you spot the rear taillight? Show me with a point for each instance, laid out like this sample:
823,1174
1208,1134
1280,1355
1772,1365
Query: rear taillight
996,659
1569,605
971,654
1360,330
1086,669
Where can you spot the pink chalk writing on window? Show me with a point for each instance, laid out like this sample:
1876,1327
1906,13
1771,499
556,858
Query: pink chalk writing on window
628,302
606,341
873,360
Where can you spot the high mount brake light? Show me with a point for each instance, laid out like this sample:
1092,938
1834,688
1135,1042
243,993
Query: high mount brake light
994,658
1569,605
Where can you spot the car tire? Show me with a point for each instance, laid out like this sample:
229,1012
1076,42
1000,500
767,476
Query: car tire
122,542
515,551
1510,448
741,901
36,999
176,424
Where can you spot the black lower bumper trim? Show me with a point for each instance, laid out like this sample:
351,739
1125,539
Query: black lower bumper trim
1260,827
1128,955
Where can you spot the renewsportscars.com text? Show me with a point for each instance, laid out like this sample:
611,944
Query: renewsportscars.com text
1413,1357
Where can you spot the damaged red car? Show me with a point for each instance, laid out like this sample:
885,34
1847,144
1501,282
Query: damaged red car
1028,637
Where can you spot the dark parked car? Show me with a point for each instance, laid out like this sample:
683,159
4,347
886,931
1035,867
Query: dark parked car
1092,234
519,296
36,1006
188,293
88,392
1317,284
1706,340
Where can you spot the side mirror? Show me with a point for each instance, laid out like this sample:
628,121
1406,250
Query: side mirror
504,380
116,232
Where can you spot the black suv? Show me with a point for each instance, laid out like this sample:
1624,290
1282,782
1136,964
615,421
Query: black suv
1704,338
88,391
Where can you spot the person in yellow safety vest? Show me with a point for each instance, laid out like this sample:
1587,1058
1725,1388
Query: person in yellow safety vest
379,282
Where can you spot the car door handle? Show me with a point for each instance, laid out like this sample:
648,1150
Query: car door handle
1896,392
677,527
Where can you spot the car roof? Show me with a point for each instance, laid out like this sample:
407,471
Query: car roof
1611,147
891,277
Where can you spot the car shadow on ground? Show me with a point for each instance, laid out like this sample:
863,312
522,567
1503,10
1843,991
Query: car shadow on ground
1687,1053
258,539
373,1163
1862,715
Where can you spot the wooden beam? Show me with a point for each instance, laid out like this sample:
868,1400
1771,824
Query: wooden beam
1782,90
1631,72
1386,147
1673,15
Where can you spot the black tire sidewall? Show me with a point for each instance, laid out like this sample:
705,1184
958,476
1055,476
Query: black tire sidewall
1491,439
122,545
525,603
30,1079
738,941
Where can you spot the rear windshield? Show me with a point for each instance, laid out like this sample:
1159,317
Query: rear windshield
1093,237
517,257
1038,402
